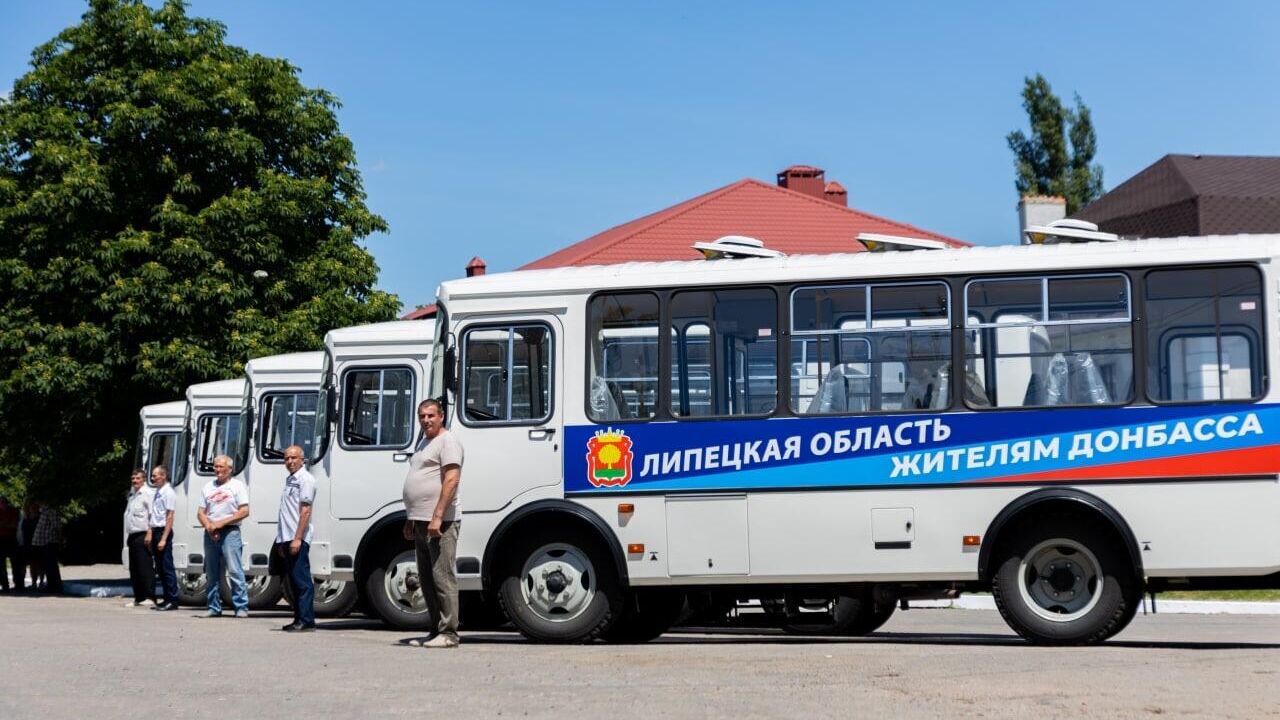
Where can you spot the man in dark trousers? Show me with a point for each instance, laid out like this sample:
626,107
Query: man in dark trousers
137,520
9,545
160,536
293,539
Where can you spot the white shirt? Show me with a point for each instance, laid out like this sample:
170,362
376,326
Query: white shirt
137,514
162,503
299,490
425,481
222,501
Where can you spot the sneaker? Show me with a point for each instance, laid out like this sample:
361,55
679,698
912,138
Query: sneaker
242,613
138,604
441,641
213,614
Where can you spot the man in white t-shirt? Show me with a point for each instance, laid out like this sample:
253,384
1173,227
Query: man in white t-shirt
293,539
160,534
432,519
224,503
137,520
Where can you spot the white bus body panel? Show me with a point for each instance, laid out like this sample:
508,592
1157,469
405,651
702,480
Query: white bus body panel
220,397
159,418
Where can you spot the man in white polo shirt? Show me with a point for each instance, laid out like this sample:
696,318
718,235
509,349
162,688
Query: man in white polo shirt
293,539
224,504
160,533
137,520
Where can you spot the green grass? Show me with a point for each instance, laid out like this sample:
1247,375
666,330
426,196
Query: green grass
1251,595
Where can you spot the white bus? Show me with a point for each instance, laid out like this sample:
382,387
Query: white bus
211,428
374,376
159,443
279,410
1062,425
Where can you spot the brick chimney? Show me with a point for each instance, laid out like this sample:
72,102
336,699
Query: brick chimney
475,267
804,179
835,193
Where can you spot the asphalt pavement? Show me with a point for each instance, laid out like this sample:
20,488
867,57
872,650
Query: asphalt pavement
91,657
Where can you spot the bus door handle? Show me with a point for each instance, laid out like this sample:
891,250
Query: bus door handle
541,433
401,457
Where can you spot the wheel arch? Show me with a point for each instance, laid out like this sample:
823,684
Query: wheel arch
390,523
543,511
1045,500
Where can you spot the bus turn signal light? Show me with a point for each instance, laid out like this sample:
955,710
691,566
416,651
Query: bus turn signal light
626,508
635,548
972,540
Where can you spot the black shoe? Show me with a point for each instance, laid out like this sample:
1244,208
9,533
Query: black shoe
167,606
299,627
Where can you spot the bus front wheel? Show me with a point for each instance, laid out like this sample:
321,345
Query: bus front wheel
1065,581
393,589
560,587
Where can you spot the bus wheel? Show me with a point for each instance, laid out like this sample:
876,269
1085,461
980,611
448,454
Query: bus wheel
560,588
1065,582
264,591
394,590
192,589
334,598
651,612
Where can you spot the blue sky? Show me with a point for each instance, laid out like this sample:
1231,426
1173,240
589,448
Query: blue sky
509,130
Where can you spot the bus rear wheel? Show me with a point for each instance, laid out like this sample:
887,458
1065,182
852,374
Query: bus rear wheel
334,598
1065,582
560,588
264,591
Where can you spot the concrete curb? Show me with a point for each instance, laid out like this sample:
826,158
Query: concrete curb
1177,607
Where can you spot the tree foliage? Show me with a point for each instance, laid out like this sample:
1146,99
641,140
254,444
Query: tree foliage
148,172
1058,157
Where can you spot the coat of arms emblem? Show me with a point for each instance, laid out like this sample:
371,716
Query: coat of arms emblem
609,458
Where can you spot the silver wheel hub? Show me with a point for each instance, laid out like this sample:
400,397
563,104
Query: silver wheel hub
1061,580
558,582
327,590
402,585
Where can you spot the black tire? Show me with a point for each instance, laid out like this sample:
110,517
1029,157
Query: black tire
872,616
392,589
192,589
1081,560
647,615
334,599
264,591
596,592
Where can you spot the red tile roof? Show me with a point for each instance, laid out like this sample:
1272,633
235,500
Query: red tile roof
785,220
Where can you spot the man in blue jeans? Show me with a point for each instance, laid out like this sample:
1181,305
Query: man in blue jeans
293,539
224,503
159,536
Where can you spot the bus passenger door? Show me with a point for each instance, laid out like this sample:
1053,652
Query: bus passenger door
508,411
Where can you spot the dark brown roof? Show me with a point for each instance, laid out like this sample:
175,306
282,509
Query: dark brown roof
1193,195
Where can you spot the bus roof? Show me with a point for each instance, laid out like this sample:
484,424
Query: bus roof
300,362
803,268
216,390
395,331
174,410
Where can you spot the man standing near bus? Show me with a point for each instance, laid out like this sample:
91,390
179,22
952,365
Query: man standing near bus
160,533
431,507
137,519
293,539
224,504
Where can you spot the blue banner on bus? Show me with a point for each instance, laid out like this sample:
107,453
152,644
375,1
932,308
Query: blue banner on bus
1029,446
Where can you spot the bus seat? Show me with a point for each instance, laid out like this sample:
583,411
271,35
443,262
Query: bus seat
838,391
605,403
1074,379
927,386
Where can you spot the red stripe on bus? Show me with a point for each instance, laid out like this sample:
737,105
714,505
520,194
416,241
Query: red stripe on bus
1263,460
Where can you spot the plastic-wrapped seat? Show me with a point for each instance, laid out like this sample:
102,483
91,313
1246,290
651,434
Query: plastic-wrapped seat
1074,379
844,389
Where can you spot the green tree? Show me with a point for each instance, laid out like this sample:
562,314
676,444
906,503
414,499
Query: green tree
1045,163
170,206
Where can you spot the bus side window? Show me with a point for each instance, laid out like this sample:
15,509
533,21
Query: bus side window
377,408
1049,341
1204,334
623,331
506,374
724,359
